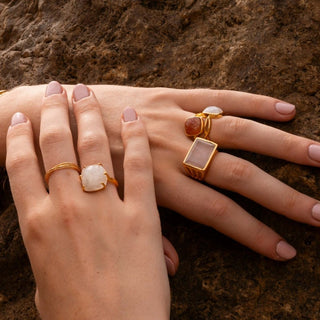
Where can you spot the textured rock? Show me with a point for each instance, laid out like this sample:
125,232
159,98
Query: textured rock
266,47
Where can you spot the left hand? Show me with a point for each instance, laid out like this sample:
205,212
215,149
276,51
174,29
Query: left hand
93,255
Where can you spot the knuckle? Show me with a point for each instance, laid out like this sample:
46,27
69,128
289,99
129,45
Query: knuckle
134,130
260,232
289,144
20,160
54,134
91,141
234,127
69,213
89,105
33,227
238,171
290,199
137,162
140,222
218,210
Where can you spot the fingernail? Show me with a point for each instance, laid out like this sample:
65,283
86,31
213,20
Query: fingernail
170,266
80,91
316,211
17,118
285,108
129,114
285,250
314,152
54,87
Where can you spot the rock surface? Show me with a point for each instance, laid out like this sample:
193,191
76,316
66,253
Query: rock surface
269,47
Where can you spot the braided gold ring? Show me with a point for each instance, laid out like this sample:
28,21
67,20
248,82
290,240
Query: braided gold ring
60,166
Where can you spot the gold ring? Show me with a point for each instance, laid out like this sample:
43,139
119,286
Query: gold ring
2,92
94,178
200,124
60,166
199,157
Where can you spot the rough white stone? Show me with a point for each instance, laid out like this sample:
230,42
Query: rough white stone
93,178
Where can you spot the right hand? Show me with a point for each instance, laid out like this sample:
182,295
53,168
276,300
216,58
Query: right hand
93,255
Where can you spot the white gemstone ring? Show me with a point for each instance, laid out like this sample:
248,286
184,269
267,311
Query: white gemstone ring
94,178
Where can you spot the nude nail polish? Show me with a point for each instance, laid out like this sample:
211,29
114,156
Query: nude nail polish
129,114
285,108
316,211
170,266
285,250
18,118
80,91
314,152
53,87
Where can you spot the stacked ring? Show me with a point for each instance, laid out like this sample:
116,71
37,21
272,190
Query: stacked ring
202,150
200,124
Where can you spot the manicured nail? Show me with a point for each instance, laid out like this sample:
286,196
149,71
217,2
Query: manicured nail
17,118
53,87
314,152
316,211
129,114
170,266
285,250
285,108
80,91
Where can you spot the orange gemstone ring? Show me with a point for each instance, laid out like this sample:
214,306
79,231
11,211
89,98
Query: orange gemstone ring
200,124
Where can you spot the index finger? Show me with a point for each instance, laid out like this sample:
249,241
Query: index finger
22,165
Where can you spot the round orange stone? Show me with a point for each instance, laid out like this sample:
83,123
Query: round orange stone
192,126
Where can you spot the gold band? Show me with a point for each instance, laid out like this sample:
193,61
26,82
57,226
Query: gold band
60,166
2,92
199,157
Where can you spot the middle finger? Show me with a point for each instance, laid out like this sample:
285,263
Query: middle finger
93,145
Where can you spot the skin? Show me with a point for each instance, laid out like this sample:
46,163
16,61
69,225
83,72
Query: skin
164,112
93,255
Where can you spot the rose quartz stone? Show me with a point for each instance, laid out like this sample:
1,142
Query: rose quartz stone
200,153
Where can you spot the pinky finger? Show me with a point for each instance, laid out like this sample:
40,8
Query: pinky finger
22,165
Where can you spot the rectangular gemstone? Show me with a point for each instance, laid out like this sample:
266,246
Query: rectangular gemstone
200,153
